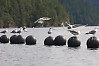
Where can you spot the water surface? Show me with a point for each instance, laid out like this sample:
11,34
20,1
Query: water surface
40,55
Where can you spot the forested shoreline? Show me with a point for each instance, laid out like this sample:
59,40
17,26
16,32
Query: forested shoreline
82,11
16,13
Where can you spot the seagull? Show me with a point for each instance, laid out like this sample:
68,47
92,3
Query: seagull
21,29
5,31
24,28
41,20
50,31
69,26
63,25
74,32
92,32
14,31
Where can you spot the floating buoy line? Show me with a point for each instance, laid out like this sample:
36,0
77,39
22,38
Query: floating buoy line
59,40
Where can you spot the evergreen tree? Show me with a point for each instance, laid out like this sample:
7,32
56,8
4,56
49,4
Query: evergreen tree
25,12
81,11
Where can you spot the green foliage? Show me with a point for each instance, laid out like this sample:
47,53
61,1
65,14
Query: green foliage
25,12
81,12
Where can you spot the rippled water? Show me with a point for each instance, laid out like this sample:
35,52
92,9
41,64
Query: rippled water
40,55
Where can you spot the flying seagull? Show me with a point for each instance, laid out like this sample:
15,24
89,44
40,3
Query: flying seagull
41,20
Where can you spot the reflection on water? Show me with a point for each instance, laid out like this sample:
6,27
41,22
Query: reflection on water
40,55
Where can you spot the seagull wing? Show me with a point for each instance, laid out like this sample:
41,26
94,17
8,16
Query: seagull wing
92,32
74,32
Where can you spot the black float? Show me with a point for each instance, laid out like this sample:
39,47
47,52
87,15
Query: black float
4,39
13,39
49,41
74,42
59,41
0,39
30,40
17,39
20,39
92,42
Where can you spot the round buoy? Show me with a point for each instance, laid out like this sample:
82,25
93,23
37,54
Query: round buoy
60,41
4,39
73,42
20,39
30,40
13,39
92,42
0,39
49,41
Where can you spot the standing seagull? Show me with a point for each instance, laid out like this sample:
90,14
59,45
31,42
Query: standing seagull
25,29
5,31
50,31
74,32
14,31
21,29
63,25
92,32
